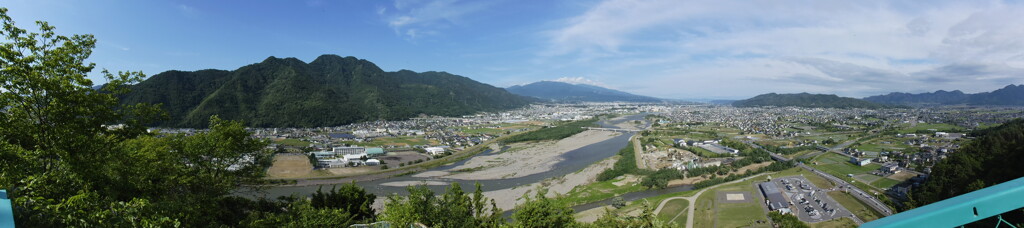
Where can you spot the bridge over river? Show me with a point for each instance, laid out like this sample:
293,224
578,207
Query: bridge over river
611,129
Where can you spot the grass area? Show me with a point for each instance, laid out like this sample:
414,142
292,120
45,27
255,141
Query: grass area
598,191
403,141
293,142
927,126
861,210
839,165
867,178
706,153
672,209
902,176
798,154
885,183
835,223
740,215
730,214
489,131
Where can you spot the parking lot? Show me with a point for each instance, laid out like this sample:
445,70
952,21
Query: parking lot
810,203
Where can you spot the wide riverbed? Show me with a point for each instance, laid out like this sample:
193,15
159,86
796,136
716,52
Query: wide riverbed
573,161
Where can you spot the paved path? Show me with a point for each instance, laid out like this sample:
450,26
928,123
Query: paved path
690,209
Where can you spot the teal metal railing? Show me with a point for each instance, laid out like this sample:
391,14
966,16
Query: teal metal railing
6,212
961,210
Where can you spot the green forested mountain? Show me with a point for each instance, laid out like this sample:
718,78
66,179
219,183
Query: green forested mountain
805,100
329,91
1009,95
561,91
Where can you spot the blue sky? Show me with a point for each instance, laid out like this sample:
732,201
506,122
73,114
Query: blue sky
663,48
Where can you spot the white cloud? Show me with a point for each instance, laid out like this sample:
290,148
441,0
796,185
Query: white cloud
413,18
852,48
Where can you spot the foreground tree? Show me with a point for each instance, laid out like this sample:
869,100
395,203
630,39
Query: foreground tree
350,198
70,155
645,219
454,208
541,211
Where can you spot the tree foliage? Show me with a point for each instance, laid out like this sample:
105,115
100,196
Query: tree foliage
454,208
992,158
786,220
561,131
541,211
645,219
349,198
625,165
74,156
659,179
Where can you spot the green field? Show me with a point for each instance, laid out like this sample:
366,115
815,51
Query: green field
880,147
798,154
710,213
402,141
867,178
863,211
840,166
885,183
293,142
926,126
740,215
674,211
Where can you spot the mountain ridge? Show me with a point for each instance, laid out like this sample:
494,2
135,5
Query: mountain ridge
1008,95
805,100
331,90
567,92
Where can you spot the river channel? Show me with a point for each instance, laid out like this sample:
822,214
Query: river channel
572,161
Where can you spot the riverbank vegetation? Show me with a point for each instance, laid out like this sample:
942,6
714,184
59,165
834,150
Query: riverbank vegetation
625,165
561,131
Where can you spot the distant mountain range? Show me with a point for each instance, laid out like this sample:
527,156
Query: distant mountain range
329,91
566,92
805,100
1009,95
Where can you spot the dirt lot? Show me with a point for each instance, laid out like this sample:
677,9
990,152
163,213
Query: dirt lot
290,166
392,159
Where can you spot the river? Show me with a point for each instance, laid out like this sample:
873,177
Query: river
573,160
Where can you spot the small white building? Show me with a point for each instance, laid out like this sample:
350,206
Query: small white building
860,162
331,163
372,162
357,158
434,151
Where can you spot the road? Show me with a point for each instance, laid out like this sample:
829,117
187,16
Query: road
861,195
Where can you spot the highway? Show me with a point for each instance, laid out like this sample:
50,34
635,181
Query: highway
868,199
